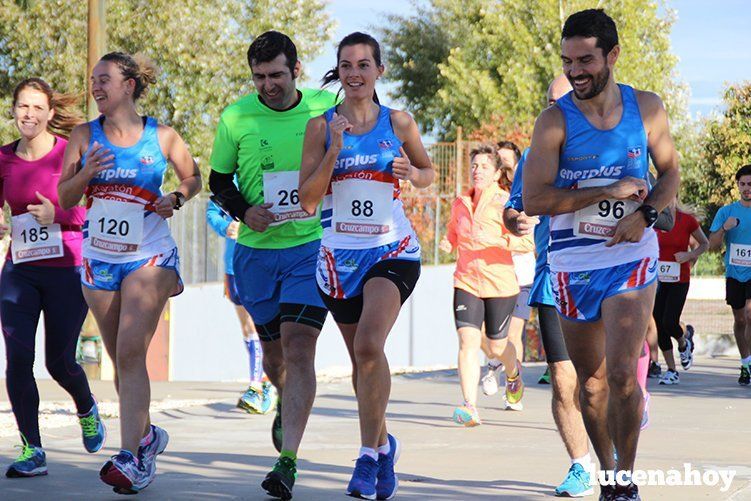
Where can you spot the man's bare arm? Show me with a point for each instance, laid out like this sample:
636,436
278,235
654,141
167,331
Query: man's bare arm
539,193
661,149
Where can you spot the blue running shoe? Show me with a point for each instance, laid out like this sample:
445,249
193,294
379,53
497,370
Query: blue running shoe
363,482
252,400
270,397
387,482
576,484
31,462
147,454
124,474
93,431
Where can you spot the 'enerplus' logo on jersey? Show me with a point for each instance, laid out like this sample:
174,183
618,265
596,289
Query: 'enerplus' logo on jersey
117,173
604,171
355,161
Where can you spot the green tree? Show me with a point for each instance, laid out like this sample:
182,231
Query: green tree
727,146
200,46
466,62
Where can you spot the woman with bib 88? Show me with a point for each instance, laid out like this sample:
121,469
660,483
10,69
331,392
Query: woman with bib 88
41,271
131,266
353,159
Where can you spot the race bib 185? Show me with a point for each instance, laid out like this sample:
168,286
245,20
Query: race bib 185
31,241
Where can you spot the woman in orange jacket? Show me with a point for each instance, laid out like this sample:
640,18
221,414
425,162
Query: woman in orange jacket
485,285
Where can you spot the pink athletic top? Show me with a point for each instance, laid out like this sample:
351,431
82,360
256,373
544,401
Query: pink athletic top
20,178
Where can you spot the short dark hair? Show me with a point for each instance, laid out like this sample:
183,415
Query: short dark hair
509,145
268,46
743,171
592,23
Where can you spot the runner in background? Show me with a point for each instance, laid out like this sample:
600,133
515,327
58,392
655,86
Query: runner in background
130,260
485,285
41,270
524,267
564,385
260,397
674,275
732,226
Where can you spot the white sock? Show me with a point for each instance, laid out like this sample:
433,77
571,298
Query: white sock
367,451
585,461
384,449
746,361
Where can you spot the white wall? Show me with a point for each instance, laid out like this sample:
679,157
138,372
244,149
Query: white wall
206,343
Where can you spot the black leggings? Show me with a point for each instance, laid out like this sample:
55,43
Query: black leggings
552,334
494,312
26,291
669,301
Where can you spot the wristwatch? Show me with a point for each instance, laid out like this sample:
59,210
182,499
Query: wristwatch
179,200
650,214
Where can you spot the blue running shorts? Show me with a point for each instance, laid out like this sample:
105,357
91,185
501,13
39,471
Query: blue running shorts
579,295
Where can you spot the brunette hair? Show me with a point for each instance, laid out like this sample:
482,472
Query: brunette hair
66,106
355,38
137,67
507,175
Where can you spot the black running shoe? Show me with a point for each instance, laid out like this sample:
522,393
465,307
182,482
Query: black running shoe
745,377
629,492
276,427
607,492
687,354
655,370
280,480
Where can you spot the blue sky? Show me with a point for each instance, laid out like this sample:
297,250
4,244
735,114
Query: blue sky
711,38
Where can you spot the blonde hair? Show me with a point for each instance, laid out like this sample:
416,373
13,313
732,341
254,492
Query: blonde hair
138,67
690,210
66,106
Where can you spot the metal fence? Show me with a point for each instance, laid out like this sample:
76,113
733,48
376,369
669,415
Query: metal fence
201,249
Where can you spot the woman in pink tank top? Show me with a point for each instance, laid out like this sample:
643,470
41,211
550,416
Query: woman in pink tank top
41,271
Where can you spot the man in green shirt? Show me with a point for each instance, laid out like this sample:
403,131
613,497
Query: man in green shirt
259,139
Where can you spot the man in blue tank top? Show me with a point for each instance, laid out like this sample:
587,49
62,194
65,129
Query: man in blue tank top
587,168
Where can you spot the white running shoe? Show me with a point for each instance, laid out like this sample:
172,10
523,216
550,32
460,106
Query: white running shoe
670,377
490,379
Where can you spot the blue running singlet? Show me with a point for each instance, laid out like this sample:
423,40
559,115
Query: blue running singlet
592,157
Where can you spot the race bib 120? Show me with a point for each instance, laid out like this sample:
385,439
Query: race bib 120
115,227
